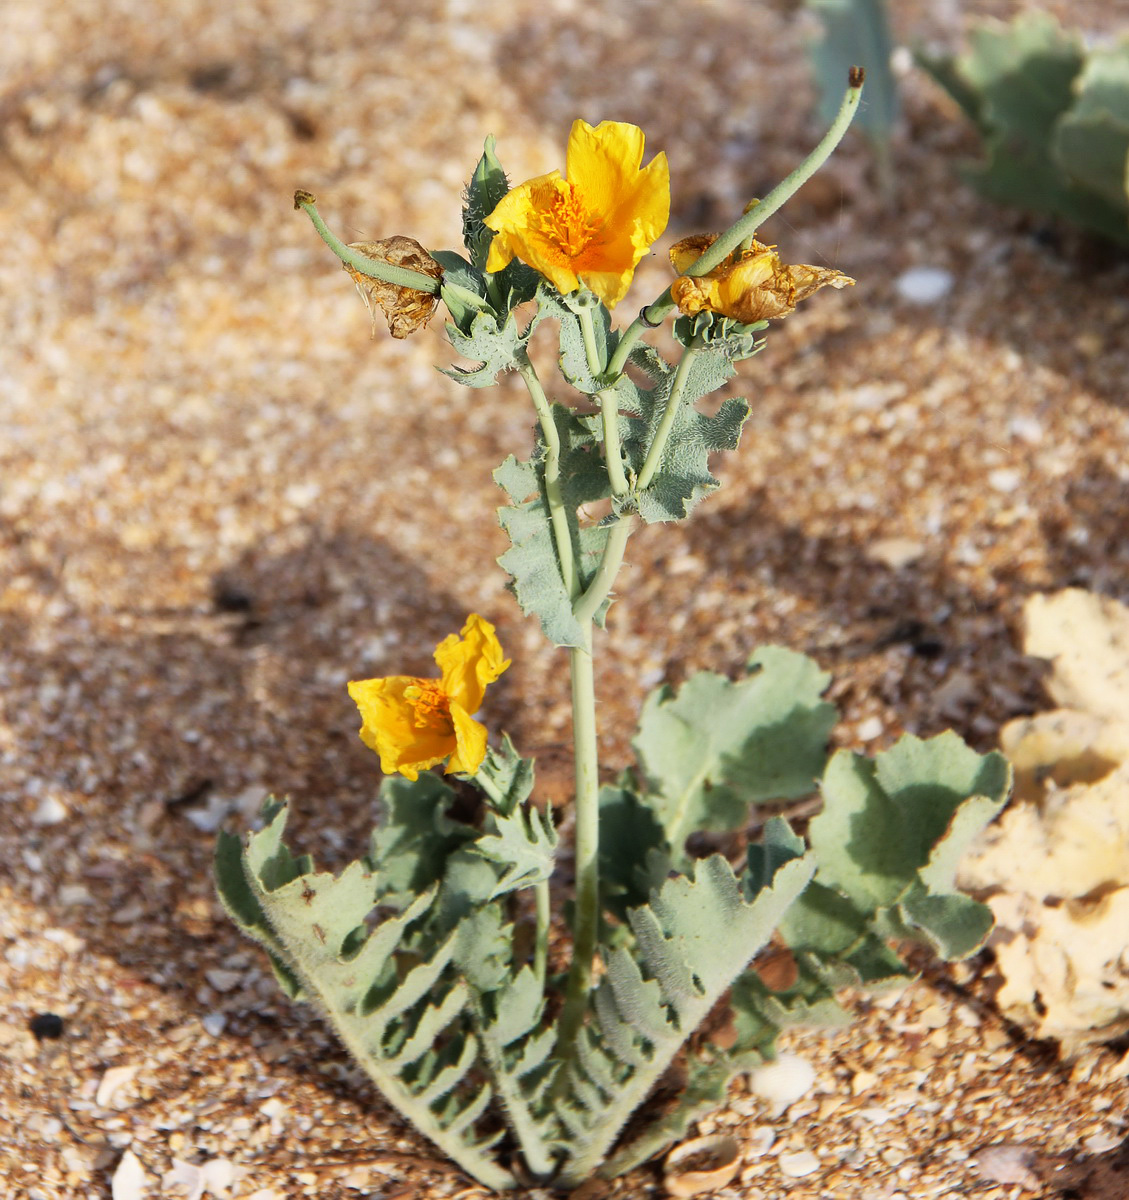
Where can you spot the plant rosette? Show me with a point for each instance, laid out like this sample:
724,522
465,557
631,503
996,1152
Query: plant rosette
420,953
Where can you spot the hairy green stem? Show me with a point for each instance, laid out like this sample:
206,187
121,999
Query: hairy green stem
613,455
558,514
541,944
662,434
586,923
727,242
588,332
600,588
587,915
399,276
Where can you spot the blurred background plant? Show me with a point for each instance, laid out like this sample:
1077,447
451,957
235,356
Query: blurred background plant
857,32
1054,118
1053,112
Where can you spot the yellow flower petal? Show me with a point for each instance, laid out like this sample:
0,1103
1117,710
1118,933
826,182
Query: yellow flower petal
470,736
594,226
409,734
469,662
416,723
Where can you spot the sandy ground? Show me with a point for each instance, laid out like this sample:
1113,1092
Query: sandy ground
219,500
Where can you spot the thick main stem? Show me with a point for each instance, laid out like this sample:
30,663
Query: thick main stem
586,923
586,920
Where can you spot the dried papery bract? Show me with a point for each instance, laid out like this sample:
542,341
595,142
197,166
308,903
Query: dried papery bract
407,309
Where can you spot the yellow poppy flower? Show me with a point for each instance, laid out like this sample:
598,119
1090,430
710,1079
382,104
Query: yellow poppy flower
415,723
594,226
749,286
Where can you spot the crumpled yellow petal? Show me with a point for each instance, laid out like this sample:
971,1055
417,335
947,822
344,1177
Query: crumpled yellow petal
470,738
750,285
469,662
415,723
391,725
523,230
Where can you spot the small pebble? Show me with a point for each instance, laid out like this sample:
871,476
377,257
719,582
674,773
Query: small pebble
924,285
782,1082
863,1081
50,811
1004,479
129,1181
758,1141
1009,1162
223,981
869,729
214,1023
1102,1143
46,1025
797,1165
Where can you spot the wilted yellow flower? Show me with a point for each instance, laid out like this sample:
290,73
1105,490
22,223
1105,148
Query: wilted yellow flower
415,723
594,226
749,286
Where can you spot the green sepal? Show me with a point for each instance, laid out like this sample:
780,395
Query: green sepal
487,186
721,334
465,277
714,748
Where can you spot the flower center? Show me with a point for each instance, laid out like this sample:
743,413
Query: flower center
431,706
570,224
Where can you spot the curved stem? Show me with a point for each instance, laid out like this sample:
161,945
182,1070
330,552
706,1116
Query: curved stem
655,313
558,514
613,455
626,344
399,276
588,332
600,588
662,434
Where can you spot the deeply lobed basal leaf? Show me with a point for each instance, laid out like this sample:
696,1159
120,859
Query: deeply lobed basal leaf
716,747
389,992
887,843
654,995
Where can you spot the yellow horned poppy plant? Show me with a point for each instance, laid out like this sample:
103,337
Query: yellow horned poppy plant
415,723
593,226
750,285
